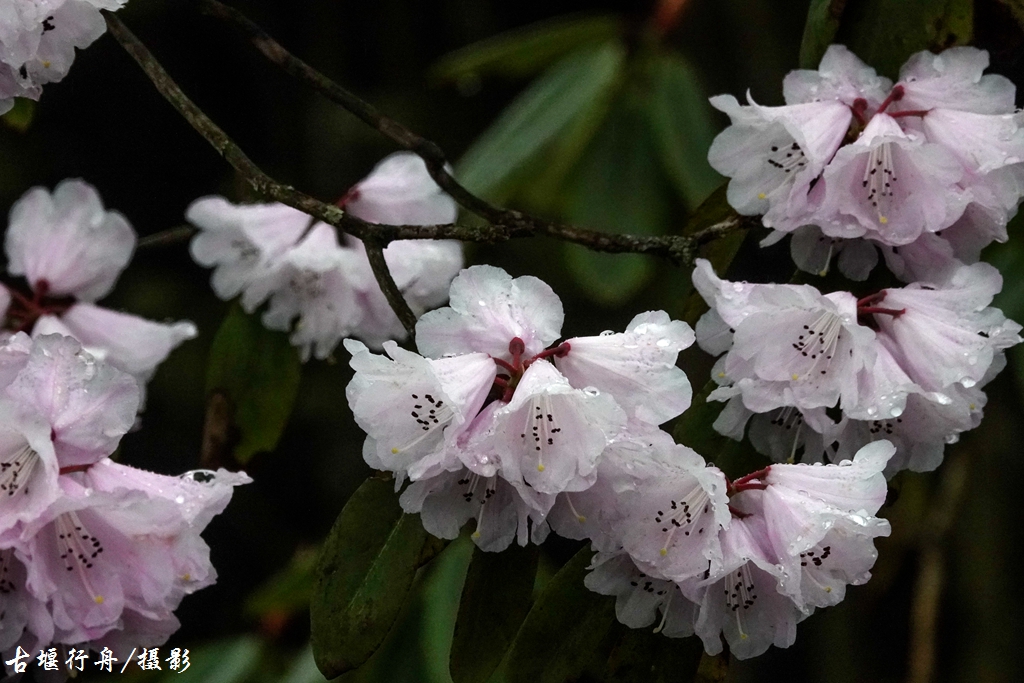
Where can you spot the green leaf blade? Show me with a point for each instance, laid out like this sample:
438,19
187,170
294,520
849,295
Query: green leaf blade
363,576
526,51
538,116
258,371
496,598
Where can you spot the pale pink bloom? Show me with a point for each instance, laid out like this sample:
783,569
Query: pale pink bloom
29,466
841,76
791,345
672,520
88,405
981,142
741,601
641,594
953,80
637,367
400,191
120,541
854,486
73,24
891,186
920,433
66,244
413,408
785,434
772,155
38,40
946,332
487,310
598,512
243,243
24,619
503,513
127,342
317,282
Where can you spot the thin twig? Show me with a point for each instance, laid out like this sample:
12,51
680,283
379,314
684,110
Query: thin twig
375,254
164,238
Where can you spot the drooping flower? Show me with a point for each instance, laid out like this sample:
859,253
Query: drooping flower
946,332
790,344
640,594
273,252
484,404
890,185
71,251
414,408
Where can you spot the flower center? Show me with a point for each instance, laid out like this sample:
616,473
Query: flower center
517,347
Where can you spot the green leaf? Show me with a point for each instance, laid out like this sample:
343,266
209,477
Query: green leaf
257,371
618,185
525,51
884,33
567,633
820,30
365,569
680,118
538,116
20,117
495,600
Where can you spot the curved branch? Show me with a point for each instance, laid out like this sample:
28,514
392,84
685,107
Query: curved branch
375,254
676,248
505,223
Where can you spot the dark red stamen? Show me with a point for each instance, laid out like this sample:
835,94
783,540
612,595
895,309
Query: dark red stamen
760,474
894,96
559,351
860,105
872,299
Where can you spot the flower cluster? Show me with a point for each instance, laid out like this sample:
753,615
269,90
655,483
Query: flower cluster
92,552
928,170
906,364
497,423
38,40
747,559
272,252
493,421
71,252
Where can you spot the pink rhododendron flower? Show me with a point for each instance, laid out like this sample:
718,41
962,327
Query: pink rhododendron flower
318,288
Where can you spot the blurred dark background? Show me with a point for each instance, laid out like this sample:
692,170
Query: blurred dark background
105,123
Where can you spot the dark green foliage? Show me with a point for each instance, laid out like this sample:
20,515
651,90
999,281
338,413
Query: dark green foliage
257,371
365,569
495,599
